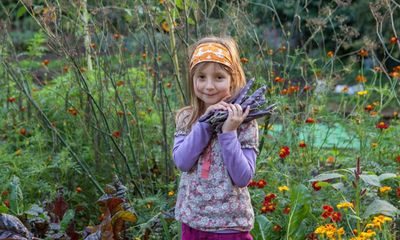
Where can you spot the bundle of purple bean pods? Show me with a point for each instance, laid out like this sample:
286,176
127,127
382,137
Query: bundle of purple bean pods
255,101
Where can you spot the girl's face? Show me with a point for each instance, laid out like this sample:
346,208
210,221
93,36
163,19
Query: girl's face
211,83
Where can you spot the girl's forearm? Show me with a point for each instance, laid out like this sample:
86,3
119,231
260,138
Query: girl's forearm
187,149
239,162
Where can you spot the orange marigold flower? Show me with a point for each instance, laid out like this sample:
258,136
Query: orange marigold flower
244,60
310,120
369,108
252,183
361,79
169,85
306,88
144,55
46,62
302,144
315,186
120,83
330,54
261,183
284,91
363,53
284,152
393,40
268,198
286,210
396,69
270,207
279,80
93,46
336,217
11,99
7,203
394,74
65,69
377,69
330,160
78,189
22,131
72,111
120,113
116,36
277,228
116,134
382,125
165,27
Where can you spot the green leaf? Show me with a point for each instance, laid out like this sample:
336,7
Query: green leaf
264,226
385,176
16,197
371,180
326,176
68,216
190,21
21,11
338,186
381,207
3,209
179,4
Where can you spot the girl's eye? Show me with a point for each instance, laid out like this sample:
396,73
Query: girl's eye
220,77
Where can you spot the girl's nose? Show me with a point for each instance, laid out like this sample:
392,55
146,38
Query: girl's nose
209,84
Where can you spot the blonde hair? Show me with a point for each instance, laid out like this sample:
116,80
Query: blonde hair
238,79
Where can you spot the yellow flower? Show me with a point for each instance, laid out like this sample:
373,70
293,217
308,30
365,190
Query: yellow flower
18,152
368,234
345,205
171,193
384,189
362,93
374,145
283,188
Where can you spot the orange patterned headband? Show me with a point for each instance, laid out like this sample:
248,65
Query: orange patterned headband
211,52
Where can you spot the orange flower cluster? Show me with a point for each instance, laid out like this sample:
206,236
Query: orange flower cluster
284,152
382,125
290,90
269,205
330,213
259,184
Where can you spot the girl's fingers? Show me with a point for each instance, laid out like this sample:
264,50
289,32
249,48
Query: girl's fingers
246,112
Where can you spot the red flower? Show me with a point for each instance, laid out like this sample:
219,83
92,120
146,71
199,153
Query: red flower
398,159
286,210
363,53
252,183
369,108
116,36
284,152
393,40
120,83
72,111
261,183
325,215
316,186
327,208
78,189
46,62
7,203
11,99
22,131
382,125
398,192
336,217
269,197
4,193
270,207
306,88
116,134
310,120
277,228
302,144
279,80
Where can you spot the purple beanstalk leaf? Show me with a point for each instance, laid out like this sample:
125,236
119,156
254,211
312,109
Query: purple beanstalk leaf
255,97
242,93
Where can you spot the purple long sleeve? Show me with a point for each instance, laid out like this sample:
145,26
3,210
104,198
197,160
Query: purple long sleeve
187,149
240,162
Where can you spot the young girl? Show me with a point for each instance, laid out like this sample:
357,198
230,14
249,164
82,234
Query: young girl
213,201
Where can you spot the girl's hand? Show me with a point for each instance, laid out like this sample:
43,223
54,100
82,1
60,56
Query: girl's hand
235,117
221,105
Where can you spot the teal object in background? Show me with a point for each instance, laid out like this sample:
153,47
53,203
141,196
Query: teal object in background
322,135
